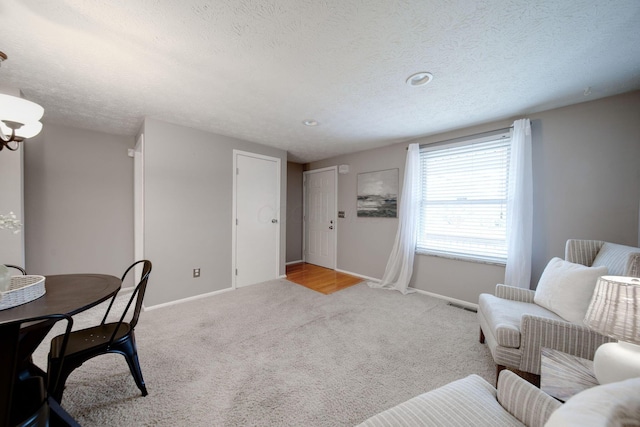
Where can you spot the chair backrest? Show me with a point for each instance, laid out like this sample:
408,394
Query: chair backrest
621,260
20,269
137,296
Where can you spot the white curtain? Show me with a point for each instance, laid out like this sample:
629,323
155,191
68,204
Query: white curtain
400,265
519,207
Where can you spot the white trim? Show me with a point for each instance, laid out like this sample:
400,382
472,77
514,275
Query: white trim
334,262
138,203
282,276
328,168
234,216
460,257
193,298
453,300
373,279
294,262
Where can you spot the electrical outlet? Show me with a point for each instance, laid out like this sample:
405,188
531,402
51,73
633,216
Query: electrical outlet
196,272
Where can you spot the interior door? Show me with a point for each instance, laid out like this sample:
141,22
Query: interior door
320,217
257,223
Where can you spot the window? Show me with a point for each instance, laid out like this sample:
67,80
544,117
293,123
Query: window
463,213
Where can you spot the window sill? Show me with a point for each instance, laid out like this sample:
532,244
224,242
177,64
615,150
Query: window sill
459,257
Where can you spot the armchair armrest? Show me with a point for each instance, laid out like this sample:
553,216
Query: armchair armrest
530,405
514,294
582,251
571,338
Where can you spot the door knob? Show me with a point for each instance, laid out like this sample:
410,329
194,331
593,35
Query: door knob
331,227
274,221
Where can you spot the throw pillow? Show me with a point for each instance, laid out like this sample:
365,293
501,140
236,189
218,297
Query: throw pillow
615,257
566,288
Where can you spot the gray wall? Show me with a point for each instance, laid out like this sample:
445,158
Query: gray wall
188,208
78,202
294,211
11,192
11,196
586,185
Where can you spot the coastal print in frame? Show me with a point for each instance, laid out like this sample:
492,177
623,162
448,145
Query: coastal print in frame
378,194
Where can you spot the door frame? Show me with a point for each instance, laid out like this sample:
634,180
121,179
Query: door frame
234,215
334,262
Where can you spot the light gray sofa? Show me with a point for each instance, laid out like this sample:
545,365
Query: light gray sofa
472,401
516,329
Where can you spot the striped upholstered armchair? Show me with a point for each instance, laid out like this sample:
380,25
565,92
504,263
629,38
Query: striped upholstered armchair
516,328
472,401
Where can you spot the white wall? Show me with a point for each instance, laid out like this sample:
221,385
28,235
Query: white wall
78,202
586,185
11,200
188,209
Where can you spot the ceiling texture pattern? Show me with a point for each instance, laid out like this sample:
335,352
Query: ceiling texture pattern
255,69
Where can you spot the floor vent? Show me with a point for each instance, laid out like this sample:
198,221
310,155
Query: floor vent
462,307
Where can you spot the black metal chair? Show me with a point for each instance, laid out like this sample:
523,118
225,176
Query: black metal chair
115,337
29,402
20,269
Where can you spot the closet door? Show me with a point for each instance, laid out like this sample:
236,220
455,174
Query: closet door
256,218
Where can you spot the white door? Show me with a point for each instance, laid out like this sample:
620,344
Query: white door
320,217
256,222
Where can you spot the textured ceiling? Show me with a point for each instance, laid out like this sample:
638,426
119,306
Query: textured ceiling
255,69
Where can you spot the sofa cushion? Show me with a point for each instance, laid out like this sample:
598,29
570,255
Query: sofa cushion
566,288
614,257
614,404
504,317
465,402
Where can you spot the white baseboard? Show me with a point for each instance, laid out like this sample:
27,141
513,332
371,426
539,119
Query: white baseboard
282,276
180,301
373,279
294,262
420,291
127,290
453,300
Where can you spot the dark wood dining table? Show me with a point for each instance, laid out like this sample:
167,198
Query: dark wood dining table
64,294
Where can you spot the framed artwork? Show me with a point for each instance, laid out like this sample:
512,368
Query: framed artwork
378,194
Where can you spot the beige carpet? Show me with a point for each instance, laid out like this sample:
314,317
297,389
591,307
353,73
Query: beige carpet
279,354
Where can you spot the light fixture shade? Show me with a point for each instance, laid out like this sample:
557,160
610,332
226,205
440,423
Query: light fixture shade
21,116
614,310
19,110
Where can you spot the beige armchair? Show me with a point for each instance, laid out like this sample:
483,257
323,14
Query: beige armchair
516,328
472,401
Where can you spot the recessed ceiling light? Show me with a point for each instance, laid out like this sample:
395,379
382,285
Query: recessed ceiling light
310,122
419,79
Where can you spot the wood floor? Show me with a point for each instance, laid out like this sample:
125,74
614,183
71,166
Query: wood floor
320,279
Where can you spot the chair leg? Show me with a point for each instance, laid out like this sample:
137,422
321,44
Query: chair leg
134,367
56,389
130,352
481,336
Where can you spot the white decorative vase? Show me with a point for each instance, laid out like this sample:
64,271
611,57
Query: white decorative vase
5,278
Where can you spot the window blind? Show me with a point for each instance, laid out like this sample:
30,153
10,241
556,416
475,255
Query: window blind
464,199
